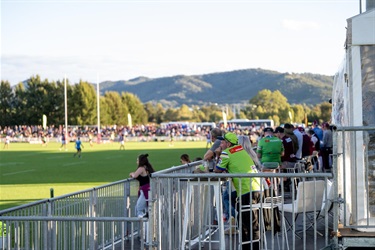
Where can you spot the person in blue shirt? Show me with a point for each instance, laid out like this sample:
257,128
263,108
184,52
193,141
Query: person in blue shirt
318,131
78,147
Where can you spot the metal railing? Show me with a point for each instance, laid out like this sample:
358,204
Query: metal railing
99,218
89,219
168,208
354,186
64,232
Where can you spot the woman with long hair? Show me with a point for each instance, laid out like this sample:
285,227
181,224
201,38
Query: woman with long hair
142,174
244,140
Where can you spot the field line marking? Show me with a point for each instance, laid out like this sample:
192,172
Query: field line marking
19,172
73,163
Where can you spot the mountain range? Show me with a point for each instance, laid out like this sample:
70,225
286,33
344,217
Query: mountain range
232,87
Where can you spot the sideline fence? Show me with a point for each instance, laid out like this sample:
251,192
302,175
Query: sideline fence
101,218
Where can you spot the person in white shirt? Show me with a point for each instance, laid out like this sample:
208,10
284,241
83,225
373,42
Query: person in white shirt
300,142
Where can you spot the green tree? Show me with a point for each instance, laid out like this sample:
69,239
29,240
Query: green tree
171,115
83,104
155,112
36,96
326,111
135,107
105,117
184,113
299,113
198,115
212,113
268,105
117,112
151,111
20,105
54,105
57,102
6,104
160,113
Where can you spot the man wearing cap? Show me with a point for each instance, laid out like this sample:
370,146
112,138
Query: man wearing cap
234,159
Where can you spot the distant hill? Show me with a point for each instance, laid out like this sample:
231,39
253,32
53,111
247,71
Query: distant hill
237,86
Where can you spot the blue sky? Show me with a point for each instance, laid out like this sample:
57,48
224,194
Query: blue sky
120,40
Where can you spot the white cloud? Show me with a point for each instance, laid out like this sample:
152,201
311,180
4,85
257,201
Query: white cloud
299,25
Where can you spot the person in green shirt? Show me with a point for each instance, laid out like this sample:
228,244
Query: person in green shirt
234,159
269,151
270,148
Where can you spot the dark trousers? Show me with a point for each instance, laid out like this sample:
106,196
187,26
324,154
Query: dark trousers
325,157
250,221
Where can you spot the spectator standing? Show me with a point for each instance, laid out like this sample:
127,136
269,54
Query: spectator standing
300,142
234,159
142,174
316,160
289,158
318,131
245,142
288,130
270,148
326,148
314,139
307,145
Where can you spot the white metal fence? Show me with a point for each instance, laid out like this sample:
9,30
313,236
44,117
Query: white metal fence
169,188
90,219
354,171
101,218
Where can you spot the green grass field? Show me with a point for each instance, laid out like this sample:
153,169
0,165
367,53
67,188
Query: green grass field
29,171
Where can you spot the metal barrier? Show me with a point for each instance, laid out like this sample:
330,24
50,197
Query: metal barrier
74,218
64,232
100,218
167,209
354,186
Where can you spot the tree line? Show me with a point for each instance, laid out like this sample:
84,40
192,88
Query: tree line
26,103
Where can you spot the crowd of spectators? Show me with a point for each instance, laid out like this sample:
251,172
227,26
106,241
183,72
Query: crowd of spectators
147,132
143,132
